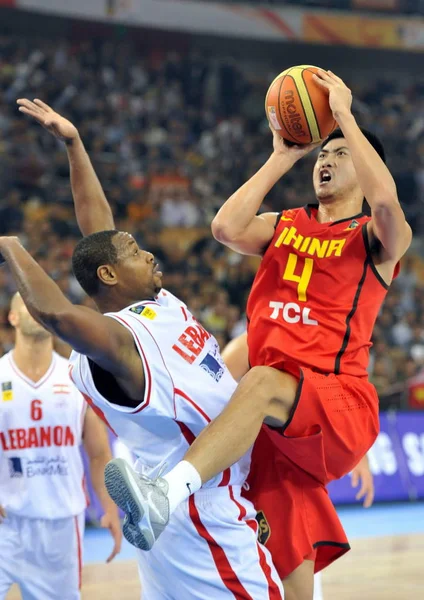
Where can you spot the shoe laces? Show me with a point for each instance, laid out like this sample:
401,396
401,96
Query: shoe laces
157,481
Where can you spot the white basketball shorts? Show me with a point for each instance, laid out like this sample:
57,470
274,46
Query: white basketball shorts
44,557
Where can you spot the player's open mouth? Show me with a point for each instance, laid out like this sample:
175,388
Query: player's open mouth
156,270
324,176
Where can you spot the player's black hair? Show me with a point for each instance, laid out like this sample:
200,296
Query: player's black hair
371,137
90,253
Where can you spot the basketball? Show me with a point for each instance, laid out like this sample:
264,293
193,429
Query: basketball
297,107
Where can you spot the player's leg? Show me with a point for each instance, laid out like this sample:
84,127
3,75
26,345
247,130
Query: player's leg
299,585
264,393
53,559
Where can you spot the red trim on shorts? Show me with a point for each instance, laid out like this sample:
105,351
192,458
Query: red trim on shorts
274,592
226,476
187,433
79,552
241,508
192,402
225,570
149,375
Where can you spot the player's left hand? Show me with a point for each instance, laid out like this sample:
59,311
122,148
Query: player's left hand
340,96
111,522
361,473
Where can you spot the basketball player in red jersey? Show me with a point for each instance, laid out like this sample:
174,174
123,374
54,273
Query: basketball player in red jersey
324,274
236,357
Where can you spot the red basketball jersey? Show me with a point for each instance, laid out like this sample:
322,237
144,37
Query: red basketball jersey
316,296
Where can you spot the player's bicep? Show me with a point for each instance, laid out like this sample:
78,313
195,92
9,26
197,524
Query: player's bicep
90,333
390,228
236,356
254,239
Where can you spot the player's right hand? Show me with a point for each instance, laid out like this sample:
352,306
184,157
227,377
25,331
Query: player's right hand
295,152
54,123
2,513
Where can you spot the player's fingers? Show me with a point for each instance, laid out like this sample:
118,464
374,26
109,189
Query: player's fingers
362,491
355,479
334,76
30,106
31,113
112,555
369,498
321,82
321,74
42,105
2,512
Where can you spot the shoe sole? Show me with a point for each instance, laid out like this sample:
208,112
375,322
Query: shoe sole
118,481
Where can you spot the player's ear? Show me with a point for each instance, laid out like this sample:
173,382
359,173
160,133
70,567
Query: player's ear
13,318
107,275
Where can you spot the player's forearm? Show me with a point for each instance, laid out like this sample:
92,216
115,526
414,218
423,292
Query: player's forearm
239,210
43,298
97,468
92,209
374,177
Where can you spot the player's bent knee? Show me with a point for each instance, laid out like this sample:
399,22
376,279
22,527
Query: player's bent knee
275,390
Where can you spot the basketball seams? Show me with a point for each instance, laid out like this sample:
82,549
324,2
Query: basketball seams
287,74
312,104
307,106
303,108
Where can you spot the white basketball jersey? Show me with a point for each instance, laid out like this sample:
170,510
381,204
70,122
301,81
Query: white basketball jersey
187,385
41,423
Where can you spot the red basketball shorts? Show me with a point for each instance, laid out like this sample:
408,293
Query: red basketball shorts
333,423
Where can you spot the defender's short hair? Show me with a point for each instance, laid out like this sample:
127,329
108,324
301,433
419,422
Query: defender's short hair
90,253
371,137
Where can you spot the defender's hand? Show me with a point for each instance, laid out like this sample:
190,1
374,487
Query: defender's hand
361,473
111,522
339,95
54,123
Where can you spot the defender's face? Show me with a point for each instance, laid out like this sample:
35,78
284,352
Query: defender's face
21,319
136,269
334,174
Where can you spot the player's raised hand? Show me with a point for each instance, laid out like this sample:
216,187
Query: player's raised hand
340,96
111,522
295,152
362,474
54,122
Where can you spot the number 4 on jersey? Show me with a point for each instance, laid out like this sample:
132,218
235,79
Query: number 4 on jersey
303,279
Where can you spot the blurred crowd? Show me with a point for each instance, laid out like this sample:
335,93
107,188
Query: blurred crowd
171,136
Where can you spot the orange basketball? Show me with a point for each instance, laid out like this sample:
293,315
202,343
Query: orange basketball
297,107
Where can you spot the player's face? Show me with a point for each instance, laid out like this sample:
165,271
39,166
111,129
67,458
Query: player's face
334,175
137,270
25,323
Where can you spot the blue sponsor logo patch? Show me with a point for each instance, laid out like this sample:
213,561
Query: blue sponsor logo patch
15,467
212,367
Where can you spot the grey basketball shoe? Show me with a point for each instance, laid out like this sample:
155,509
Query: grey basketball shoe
143,500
